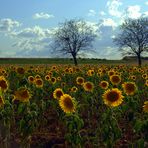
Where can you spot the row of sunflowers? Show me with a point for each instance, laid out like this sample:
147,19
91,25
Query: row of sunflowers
68,106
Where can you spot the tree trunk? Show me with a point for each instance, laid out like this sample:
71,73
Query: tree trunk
139,60
75,60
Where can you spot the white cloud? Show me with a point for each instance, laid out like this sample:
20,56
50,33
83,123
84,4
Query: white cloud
32,39
91,12
102,13
146,3
113,8
34,32
42,15
133,11
8,24
109,22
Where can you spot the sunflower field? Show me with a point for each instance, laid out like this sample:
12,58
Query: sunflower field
63,106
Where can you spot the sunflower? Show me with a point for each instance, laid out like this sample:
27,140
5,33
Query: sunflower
39,83
129,88
58,78
88,86
3,84
90,72
67,103
80,80
104,84
37,77
22,94
145,107
144,76
20,70
115,79
110,73
74,89
63,84
58,93
113,97
53,80
31,79
133,77
47,77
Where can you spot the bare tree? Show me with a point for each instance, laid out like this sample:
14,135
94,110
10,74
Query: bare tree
72,36
133,39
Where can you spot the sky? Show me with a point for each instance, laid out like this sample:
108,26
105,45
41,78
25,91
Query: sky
26,26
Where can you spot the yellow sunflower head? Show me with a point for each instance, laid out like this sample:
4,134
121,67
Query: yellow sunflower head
144,76
111,72
115,79
31,79
37,77
3,84
67,103
80,80
74,89
58,93
90,72
53,80
145,107
39,83
20,70
88,86
22,94
104,84
113,97
129,88
47,77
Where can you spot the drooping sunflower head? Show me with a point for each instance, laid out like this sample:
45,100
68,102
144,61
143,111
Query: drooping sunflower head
39,83
3,84
104,84
115,79
145,107
22,94
80,80
129,88
67,103
58,93
88,86
113,97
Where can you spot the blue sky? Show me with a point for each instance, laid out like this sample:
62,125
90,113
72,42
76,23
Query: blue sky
26,25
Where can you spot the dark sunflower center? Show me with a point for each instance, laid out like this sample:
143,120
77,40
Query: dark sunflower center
113,96
68,103
39,82
130,87
3,84
59,94
88,86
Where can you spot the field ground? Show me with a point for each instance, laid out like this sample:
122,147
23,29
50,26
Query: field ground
65,61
